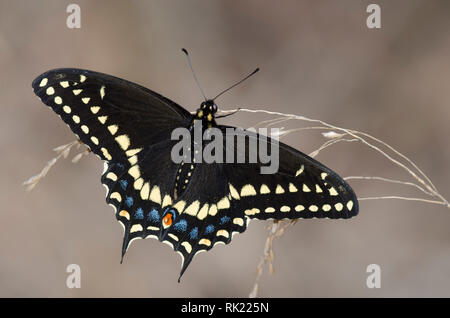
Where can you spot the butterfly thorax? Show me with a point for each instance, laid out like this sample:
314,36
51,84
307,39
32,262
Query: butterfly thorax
206,114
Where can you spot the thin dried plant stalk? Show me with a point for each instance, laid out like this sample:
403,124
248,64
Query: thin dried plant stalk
336,134
277,229
62,152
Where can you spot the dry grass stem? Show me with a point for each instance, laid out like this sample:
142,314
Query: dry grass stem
62,152
277,229
336,134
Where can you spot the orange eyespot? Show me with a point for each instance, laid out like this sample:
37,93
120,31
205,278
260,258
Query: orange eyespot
167,220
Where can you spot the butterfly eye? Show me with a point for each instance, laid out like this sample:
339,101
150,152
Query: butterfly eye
214,108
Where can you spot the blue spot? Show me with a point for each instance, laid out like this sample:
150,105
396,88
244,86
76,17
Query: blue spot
224,220
123,184
209,229
139,214
121,166
129,201
181,226
194,233
153,215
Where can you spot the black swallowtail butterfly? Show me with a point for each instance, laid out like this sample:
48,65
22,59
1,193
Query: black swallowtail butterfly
190,206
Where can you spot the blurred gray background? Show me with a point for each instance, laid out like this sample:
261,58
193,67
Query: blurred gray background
317,59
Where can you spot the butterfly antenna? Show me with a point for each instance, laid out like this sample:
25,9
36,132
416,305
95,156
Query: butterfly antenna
193,73
226,90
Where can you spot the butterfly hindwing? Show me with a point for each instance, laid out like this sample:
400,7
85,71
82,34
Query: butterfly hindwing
140,191
206,214
194,235
144,204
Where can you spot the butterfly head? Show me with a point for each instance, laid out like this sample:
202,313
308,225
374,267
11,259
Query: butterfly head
207,111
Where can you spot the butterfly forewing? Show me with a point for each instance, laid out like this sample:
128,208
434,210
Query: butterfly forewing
301,188
114,117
